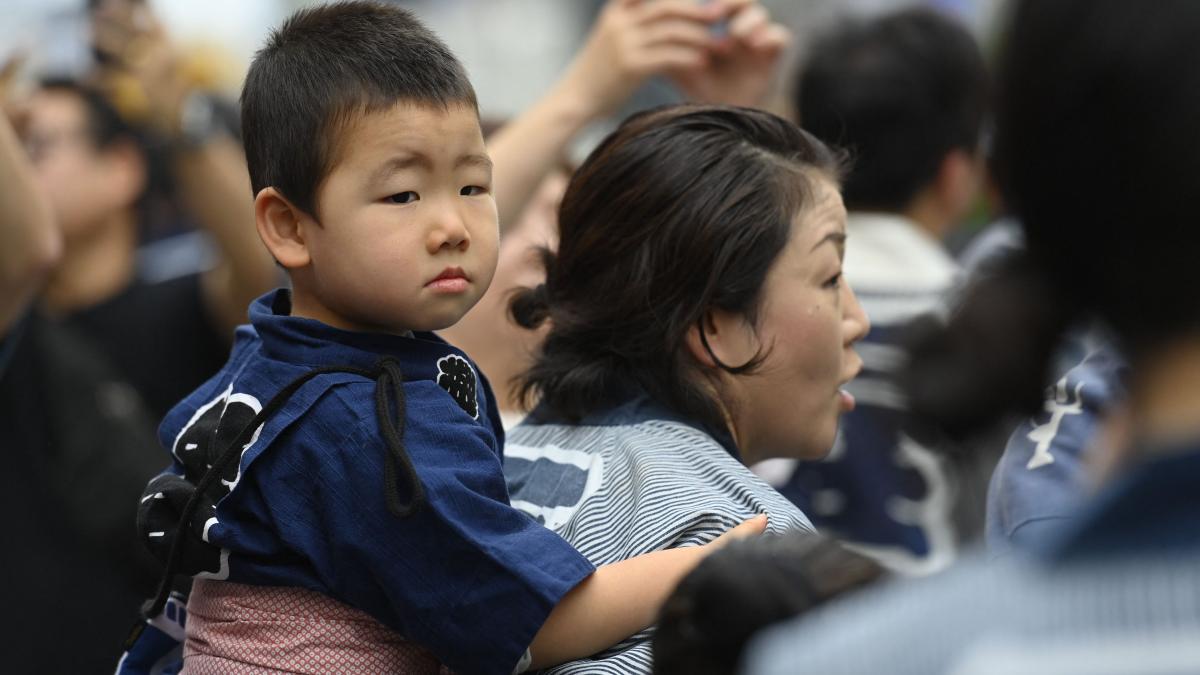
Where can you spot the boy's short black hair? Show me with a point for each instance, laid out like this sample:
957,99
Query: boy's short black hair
897,92
321,70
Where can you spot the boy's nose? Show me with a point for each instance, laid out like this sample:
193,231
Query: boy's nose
449,232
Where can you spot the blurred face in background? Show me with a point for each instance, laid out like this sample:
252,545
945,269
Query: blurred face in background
87,186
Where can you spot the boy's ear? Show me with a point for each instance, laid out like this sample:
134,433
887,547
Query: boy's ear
280,228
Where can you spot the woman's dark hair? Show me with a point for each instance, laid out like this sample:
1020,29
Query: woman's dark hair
1098,154
745,587
680,211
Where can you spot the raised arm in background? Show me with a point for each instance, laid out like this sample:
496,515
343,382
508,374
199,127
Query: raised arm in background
30,243
207,162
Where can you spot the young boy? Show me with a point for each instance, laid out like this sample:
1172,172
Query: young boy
344,449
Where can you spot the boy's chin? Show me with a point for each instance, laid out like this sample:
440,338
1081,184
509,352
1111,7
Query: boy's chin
437,322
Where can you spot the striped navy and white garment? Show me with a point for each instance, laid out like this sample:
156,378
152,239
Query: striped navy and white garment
629,481
880,488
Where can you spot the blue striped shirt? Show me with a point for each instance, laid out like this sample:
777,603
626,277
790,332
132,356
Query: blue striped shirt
629,481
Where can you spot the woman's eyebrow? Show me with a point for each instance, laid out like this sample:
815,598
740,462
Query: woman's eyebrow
838,238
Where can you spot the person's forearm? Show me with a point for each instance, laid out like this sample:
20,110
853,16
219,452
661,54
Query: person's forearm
216,189
617,601
526,149
30,243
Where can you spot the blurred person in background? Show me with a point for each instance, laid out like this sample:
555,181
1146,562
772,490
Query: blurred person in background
32,243
719,52
76,442
906,95
91,363
1098,155
165,337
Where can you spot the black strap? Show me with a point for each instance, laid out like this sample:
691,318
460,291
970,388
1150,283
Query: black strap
389,395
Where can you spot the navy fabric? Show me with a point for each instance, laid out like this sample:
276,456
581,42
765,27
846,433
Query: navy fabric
1151,509
156,645
467,576
1040,480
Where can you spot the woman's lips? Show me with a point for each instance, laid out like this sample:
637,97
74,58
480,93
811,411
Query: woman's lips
845,400
451,280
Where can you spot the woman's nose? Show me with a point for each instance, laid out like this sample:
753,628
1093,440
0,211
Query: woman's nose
857,322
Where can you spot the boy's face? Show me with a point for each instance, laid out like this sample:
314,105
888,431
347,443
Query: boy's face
408,227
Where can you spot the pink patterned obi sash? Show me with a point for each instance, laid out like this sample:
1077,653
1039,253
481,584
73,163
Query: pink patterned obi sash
239,629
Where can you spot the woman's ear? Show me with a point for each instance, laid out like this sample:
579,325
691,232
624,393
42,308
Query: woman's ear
694,340
280,226
722,340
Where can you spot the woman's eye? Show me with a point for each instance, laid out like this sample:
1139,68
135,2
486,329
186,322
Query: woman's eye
834,281
404,197
472,191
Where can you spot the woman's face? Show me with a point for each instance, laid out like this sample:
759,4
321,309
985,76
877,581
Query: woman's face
808,323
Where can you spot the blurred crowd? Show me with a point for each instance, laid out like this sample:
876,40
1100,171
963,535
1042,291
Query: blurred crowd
986,405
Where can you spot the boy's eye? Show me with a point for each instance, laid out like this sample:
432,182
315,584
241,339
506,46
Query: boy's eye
404,197
834,281
472,191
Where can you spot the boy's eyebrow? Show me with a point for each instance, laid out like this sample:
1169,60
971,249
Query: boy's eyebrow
401,162
408,160
482,161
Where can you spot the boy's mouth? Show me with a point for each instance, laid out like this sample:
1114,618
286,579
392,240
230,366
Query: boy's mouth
451,280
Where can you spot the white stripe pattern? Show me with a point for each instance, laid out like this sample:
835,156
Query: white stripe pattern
663,485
